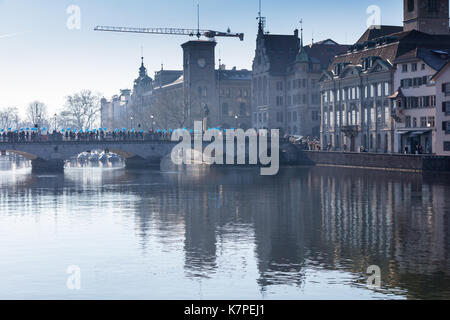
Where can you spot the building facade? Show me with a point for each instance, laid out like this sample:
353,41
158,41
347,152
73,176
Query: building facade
379,96
115,113
442,84
285,86
177,98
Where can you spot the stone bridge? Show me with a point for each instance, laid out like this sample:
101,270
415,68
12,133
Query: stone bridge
51,155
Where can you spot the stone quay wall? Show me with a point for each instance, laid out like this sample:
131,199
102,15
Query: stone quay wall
397,162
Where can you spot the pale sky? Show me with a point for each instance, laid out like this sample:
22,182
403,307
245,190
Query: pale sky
41,59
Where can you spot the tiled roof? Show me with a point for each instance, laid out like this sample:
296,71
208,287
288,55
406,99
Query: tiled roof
379,32
435,58
402,45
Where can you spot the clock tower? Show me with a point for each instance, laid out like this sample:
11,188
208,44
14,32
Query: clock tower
200,82
429,16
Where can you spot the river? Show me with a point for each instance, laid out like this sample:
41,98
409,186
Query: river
223,233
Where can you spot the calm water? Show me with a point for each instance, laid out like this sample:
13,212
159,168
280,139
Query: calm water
308,233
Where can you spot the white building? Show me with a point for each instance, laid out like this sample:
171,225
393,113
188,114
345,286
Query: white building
115,112
415,100
442,85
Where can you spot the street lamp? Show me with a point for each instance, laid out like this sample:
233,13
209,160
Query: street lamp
131,118
153,122
55,121
236,119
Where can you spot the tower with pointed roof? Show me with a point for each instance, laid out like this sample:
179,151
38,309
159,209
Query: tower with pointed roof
285,90
302,56
143,83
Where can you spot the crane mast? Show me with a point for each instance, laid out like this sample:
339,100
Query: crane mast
173,31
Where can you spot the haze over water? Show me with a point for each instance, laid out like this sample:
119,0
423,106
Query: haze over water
308,233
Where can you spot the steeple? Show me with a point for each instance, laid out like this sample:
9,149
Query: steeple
302,56
142,69
261,21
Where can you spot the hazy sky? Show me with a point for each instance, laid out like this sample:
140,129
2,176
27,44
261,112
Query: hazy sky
40,58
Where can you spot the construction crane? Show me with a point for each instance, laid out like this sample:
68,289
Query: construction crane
174,31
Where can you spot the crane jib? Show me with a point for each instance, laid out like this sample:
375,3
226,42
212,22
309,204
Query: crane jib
172,31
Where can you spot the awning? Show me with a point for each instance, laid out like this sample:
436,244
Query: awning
415,133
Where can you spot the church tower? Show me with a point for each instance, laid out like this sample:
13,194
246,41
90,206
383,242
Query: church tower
200,81
428,16
143,83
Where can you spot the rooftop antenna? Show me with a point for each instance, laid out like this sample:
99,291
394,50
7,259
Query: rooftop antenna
301,32
198,21
261,19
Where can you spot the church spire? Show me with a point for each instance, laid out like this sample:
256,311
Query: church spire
302,55
301,34
142,69
261,21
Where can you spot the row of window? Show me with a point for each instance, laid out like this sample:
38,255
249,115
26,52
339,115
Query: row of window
411,122
237,92
420,102
290,116
224,92
296,84
351,117
413,82
414,67
354,93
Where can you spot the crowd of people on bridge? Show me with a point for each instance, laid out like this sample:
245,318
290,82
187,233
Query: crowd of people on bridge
102,134
36,135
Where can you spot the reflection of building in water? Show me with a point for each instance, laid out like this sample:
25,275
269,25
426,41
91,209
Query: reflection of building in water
303,218
374,219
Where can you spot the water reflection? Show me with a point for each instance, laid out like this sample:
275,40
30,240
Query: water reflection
230,233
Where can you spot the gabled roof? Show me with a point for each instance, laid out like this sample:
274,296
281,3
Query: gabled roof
434,58
441,71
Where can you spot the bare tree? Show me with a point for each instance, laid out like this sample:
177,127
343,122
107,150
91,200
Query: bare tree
81,110
36,113
9,118
169,110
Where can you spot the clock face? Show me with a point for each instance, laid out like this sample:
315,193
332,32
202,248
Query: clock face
201,62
